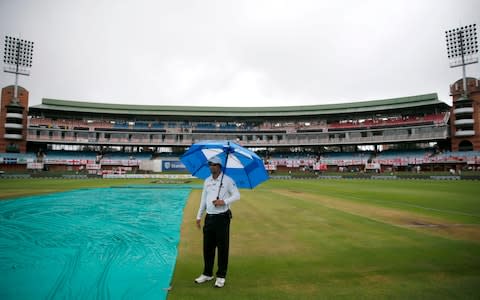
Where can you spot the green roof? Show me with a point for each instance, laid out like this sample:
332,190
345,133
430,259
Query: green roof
211,111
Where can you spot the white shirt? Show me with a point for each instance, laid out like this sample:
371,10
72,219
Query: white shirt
228,193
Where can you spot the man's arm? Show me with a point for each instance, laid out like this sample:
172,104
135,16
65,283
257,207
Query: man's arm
234,193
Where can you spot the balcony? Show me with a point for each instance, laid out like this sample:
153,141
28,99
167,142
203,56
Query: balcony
12,136
463,99
463,122
465,133
254,139
14,116
463,110
13,125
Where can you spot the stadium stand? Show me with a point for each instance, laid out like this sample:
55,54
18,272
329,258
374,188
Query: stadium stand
335,135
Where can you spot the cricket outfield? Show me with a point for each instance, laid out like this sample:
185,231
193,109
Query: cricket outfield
329,239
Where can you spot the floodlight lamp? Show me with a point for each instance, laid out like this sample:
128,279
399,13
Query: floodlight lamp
18,55
462,45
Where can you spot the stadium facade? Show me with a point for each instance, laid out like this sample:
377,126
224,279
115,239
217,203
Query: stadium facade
421,118
398,123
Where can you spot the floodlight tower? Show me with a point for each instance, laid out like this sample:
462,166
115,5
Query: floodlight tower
17,59
462,48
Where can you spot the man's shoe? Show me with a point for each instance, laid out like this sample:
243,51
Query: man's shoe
220,282
203,278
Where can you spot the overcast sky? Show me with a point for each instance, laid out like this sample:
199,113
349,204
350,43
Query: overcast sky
234,52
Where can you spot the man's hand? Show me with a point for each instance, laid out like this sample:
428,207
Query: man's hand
199,223
218,202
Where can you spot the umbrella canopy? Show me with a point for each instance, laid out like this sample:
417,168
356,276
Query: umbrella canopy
244,166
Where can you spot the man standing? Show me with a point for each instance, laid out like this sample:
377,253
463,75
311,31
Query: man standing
219,192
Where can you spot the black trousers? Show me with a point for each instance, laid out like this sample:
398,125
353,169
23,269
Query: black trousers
216,236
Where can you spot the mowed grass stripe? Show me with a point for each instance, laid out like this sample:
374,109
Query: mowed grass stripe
414,220
454,200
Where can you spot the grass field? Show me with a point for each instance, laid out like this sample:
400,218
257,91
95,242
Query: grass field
331,239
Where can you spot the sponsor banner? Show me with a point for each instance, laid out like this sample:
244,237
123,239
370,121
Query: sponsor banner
173,165
330,177
25,160
281,177
270,167
168,176
16,160
120,162
74,162
55,161
384,177
111,162
35,166
10,160
445,177
293,163
372,166
94,166
320,167
130,162
473,160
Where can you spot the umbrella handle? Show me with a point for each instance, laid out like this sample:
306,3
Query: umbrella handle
223,171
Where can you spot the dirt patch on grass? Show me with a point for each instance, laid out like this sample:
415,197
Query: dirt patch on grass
400,218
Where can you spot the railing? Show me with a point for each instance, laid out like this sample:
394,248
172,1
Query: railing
221,127
427,119
463,110
464,122
254,139
465,133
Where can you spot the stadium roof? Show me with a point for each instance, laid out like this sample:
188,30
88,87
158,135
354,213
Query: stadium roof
80,107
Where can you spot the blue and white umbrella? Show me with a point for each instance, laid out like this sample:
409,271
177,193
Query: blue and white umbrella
244,166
